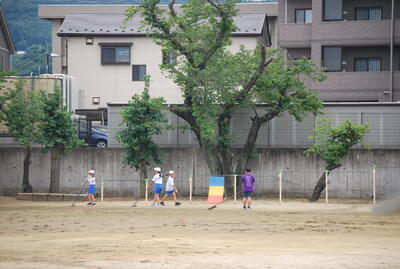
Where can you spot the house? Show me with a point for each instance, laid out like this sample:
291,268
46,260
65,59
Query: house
108,63
6,43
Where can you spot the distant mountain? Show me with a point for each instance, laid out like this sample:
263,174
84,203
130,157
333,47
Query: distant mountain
28,29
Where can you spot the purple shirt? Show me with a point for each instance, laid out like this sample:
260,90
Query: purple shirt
248,181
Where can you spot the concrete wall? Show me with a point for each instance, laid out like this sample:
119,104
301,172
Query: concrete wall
352,180
296,53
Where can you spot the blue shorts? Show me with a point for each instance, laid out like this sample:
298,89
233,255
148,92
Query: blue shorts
158,188
170,192
247,194
91,189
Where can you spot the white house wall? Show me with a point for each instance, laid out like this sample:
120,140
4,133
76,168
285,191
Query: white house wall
113,82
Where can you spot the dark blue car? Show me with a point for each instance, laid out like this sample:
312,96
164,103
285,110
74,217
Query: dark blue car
94,137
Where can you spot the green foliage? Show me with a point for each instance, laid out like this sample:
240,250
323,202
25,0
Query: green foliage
217,80
32,62
57,128
21,112
334,142
142,118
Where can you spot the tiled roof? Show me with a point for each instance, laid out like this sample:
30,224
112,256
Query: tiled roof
109,24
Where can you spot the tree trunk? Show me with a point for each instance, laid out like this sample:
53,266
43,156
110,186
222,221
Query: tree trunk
321,184
55,169
143,176
26,187
250,146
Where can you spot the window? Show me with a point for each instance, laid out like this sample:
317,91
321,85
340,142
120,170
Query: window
332,59
115,53
303,16
168,57
333,10
368,64
369,13
138,72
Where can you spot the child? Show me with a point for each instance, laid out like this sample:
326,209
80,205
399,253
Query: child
170,189
157,180
92,188
248,181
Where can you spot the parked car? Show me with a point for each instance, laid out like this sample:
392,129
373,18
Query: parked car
94,138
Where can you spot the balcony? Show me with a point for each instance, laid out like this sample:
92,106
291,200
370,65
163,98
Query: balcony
355,32
353,86
293,35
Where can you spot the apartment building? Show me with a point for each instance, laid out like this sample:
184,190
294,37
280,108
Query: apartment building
357,41
108,63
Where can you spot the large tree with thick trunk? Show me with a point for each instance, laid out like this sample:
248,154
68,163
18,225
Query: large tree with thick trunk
216,81
21,111
141,119
332,144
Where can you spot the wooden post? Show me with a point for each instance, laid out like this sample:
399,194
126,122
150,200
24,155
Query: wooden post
190,187
280,186
374,183
147,191
326,185
234,187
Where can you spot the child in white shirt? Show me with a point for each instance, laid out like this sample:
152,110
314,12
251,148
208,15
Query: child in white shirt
92,188
170,189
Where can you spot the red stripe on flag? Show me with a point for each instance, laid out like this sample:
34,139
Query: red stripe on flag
215,199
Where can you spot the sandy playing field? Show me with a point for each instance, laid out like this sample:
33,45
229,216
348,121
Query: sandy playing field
116,235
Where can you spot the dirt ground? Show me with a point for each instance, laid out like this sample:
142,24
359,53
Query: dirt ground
114,234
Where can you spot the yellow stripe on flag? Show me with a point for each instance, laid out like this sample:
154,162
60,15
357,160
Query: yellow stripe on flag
216,191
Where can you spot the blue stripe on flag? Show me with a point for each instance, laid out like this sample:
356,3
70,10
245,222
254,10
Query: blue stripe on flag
216,181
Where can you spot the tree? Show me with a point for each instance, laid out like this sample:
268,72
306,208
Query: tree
215,82
142,117
21,112
332,144
32,62
57,134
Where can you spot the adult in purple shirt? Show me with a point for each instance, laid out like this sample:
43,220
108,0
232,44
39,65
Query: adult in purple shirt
248,181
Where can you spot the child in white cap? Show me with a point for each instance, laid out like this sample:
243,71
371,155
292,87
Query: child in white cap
157,180
170,189
92,188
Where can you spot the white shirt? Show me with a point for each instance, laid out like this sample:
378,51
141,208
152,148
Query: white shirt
170,184
157,179
91,180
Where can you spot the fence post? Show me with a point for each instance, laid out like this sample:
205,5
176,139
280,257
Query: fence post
234,187
374,183
102,191
146,194
190,187
280,186
326,185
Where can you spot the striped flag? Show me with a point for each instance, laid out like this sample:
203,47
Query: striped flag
216,190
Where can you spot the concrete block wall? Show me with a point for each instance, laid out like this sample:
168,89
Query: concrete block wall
300,173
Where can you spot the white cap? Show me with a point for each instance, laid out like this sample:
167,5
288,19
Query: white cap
158,169
171,172
91,172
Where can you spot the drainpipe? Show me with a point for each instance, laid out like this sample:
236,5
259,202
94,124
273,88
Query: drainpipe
285,11
391,53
